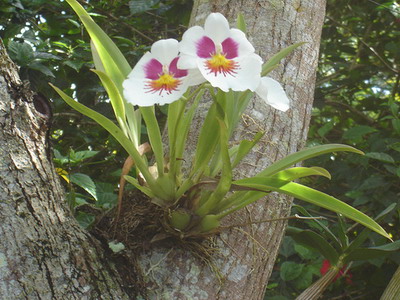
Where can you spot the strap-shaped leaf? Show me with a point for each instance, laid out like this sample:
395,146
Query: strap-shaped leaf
244,148
225,181
274,60
299,172
207,142
363,235
373,252
312,196
153,131
241,23
144,189
304,154
116,99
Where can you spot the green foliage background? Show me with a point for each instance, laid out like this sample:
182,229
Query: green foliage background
356,102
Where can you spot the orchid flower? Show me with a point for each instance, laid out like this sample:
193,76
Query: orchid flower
224,56
273,94
156,78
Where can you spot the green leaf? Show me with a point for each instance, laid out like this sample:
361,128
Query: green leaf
113,130
304,154
365,234
299,172
115,64
325,128
185,124
380,156
145,190
356,133
76,65
305,280
116,99
312,196
22,53
106,197
395,146
82,155
274,60
373,252
396,125
290,270
207,142
153,131
45,55
341,231
85,182
244,148
139,6
225,181
321,225
85,220
241,23
314,241
41,68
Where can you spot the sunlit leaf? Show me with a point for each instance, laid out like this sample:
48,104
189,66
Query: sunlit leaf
304,154
312,196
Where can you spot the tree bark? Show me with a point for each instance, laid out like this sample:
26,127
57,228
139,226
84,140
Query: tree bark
241,267
44,254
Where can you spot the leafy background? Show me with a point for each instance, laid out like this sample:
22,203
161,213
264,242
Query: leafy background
356,102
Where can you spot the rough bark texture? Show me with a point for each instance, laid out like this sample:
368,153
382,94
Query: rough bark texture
246,255
44,254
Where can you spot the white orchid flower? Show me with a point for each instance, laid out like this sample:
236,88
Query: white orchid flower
156,78
224,56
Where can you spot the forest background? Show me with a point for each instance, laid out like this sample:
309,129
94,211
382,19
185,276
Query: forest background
356,102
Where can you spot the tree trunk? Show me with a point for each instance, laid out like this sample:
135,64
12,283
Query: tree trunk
44,254
241,267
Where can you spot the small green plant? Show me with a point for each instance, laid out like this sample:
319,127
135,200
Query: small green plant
221,61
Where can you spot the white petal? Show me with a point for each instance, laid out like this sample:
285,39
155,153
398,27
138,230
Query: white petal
217,27
247,75
165,50
186,62
195,77
190,39
245,47
138,70
273,94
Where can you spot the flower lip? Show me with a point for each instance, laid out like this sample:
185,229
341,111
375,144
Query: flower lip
163,78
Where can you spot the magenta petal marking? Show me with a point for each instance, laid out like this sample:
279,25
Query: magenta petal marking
205,47
153,69
173,68
230,48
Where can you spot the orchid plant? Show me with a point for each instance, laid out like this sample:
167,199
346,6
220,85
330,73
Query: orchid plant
220,60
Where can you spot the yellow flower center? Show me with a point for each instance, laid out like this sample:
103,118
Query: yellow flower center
218,63
166,82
